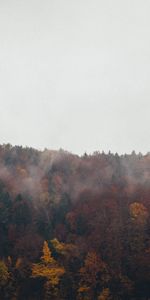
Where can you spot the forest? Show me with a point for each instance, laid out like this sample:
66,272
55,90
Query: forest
74,227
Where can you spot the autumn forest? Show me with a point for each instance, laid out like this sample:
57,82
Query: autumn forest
74,227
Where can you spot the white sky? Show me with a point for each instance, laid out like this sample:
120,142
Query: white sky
75,74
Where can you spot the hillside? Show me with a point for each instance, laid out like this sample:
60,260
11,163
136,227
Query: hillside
74,228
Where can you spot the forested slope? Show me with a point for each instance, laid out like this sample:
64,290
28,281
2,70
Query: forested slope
74,227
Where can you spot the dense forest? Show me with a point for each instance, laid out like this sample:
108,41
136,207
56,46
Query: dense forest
74,228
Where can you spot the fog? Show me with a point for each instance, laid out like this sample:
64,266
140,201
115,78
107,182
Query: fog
75,74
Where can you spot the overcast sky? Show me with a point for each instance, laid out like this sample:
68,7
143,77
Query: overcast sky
75,74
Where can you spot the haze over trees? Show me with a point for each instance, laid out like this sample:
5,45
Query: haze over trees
74,228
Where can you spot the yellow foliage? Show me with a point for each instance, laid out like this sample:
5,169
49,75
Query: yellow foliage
63,248
59,247
138,212
48,267
4,274
83,289
47,256
51,274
